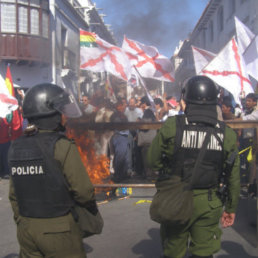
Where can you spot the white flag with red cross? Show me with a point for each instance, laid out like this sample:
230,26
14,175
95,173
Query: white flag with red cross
247,43
201,58
244,35
227,69
97,55
149,62
251,58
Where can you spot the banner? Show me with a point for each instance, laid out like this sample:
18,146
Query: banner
227,69
98,55
201,58
244,35
251,58
149,62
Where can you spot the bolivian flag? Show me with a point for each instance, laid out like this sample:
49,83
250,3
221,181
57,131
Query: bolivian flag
87,39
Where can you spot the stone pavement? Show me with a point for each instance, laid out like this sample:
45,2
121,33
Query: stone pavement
129,233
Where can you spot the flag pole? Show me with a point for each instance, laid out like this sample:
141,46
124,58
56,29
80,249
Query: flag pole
79,72
142,82
113,95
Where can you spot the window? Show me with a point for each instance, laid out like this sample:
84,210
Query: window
31,18
211,32
8,17
220,18
63,44
34,21
44,24
23,19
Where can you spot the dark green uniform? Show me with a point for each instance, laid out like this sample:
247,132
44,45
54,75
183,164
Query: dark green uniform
59,236
203,228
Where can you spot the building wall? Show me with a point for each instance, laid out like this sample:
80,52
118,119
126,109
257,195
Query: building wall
67,42
210,21
26,76
245,10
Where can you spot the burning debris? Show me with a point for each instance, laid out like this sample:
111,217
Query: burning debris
97,166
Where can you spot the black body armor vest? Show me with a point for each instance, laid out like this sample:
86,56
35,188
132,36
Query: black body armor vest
38,179
188,143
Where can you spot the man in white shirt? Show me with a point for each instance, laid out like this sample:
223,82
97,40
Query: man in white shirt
132,112
87,107
251,113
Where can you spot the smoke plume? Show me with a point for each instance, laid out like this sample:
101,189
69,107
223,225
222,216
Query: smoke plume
160,23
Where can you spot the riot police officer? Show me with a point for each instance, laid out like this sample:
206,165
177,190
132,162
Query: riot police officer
180,140
48,177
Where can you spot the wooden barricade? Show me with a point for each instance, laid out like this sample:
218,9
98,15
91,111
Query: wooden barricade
82,125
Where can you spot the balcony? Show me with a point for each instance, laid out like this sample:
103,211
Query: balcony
25,48
24,31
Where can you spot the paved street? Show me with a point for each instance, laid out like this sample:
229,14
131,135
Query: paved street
129,233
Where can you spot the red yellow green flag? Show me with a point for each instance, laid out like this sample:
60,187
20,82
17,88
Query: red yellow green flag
87,39
9,81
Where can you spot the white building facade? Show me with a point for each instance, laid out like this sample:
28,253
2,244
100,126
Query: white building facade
214,29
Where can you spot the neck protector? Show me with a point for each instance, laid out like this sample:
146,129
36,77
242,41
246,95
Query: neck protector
206,114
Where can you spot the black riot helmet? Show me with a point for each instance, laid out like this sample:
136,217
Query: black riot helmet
44,103
200,90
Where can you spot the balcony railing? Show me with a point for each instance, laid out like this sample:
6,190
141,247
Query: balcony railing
25,48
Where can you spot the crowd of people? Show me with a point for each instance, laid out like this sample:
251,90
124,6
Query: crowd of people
127,149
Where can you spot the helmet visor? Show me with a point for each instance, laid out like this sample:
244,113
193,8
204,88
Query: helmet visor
66,104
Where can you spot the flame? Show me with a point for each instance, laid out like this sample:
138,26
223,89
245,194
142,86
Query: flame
97,166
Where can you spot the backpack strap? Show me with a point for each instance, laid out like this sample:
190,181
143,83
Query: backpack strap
200,158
